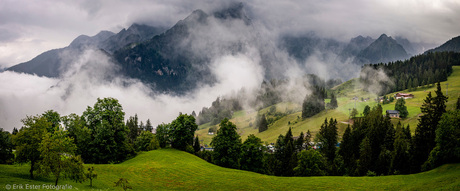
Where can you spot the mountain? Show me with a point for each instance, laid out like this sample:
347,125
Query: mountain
451,45
384,49
135,33
178,60
355,46
53,62
303,46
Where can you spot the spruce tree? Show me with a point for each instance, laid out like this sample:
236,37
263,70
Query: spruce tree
328,137
196,144
299,142
346,151
263,124
425,133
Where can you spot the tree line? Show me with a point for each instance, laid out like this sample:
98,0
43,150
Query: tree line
370,146
420,70
58,146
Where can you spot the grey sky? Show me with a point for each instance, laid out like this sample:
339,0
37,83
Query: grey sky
28,28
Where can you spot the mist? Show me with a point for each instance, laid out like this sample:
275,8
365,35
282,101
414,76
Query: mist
93,75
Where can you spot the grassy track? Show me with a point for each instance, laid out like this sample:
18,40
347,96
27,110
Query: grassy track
169,169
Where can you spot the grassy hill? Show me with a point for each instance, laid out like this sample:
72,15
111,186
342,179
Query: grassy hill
346,92
169,169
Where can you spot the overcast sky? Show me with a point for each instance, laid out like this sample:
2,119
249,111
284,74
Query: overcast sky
28,28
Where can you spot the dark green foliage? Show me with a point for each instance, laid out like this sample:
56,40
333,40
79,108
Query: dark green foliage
6,147
252,154
196,144
220,109
205,155
430,67
146,141
76,129
28,141
354,113
109,140
285,155
346,152
425,133
56,150
366,110
447,148
307,139
400,161
262,123
75,170
182,131
374,154
401,107
365,157
333,104
133,126
123,183
54,118
148,126
227,145
299,143
91,175
327,137
310,163
212,129
314,102
163,135
15,131
457,106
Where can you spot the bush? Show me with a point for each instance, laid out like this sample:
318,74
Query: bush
370,173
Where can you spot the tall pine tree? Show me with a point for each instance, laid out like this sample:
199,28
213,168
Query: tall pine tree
425,133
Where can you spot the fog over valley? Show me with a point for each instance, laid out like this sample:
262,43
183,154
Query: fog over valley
164,57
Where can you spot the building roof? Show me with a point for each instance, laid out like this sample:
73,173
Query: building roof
392,112
404,94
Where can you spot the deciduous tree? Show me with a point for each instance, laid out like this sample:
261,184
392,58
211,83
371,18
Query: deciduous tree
227,145
182,131
252,154
401,107
28,141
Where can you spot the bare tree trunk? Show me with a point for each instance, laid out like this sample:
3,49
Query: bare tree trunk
57,178
31,171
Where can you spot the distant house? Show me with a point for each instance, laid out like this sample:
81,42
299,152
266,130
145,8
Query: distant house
393,113
403,95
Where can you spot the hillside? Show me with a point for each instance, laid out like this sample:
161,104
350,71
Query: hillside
169,169
346,92
451,45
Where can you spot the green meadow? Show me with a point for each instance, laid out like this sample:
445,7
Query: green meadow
346,93
169,169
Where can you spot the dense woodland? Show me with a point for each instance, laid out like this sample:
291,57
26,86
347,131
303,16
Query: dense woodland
417,71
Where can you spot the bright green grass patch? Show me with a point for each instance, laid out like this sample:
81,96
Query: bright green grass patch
245,120
169,169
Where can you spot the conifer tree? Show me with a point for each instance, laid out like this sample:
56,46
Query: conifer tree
263,124
425,133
